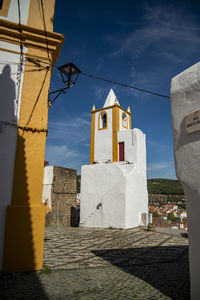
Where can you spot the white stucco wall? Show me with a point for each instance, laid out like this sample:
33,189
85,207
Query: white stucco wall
10,88
13,15
121,189
136,184
185,99
103,138
102,183
47,185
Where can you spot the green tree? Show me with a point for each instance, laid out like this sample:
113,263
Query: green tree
172,218
155,214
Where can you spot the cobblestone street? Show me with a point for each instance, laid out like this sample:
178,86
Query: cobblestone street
113,264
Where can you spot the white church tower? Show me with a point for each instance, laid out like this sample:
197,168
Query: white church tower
114,185
106,123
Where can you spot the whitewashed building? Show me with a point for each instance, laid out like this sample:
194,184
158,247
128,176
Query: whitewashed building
114,185
185,109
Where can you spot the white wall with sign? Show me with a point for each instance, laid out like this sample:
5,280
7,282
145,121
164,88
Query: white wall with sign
185,109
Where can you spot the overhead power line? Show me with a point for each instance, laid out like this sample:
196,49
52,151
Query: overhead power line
126,85
96,77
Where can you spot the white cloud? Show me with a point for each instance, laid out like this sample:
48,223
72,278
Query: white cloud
73,130
157,146
56,155
158,166
124,23
100,62
66,139
101,93
165,29
161,170
165,41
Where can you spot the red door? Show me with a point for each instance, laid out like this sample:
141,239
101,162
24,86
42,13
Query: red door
121,151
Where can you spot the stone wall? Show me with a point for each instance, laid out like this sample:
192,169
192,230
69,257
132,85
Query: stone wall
63,198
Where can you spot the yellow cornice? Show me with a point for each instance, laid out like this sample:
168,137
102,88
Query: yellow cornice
31,38
127,112
108,107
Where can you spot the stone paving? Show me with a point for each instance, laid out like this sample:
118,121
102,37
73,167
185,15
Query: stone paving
82,263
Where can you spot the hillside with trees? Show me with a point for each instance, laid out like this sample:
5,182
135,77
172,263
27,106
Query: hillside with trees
164,191
164,186
159,186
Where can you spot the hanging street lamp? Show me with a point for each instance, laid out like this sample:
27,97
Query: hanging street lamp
69,73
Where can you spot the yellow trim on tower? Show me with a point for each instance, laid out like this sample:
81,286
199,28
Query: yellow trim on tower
5,8
99,116
115,129
130,123
103,108
92,139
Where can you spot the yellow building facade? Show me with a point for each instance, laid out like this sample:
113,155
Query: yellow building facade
30,36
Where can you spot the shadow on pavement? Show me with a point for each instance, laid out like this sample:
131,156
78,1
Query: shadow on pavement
165,268
21,286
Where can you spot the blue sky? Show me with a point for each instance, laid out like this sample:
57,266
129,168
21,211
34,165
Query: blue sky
141,43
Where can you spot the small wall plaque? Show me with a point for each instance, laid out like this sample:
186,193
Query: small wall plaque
192,122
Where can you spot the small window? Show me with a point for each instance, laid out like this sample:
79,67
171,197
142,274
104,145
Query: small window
103,120
124,120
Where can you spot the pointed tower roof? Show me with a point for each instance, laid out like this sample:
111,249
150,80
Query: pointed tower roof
111,99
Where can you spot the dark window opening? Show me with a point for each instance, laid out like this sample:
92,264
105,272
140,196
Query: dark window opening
104,121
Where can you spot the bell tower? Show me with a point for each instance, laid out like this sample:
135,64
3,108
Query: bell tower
116,175
106,123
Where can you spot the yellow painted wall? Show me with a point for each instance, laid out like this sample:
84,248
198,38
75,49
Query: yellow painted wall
92,138
25,220
35,18
5,8
115,127
130,122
